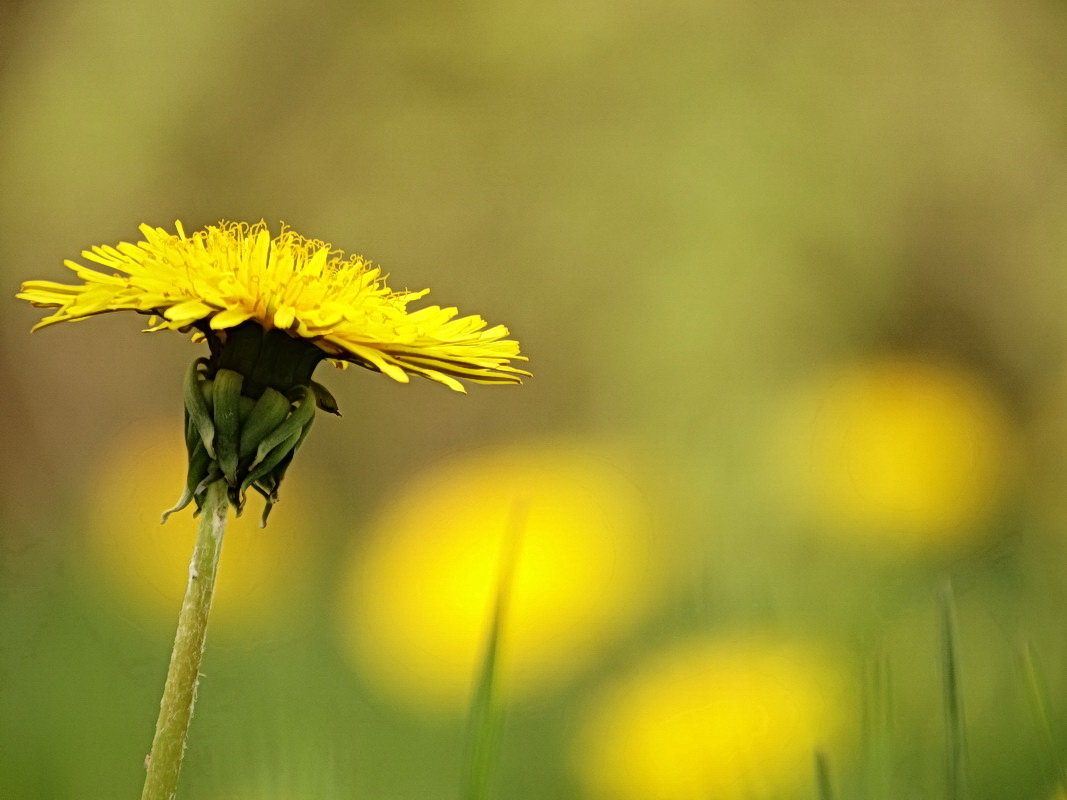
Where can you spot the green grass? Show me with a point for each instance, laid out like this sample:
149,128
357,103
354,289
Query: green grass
878,750
485,717
822,776
1048,724
955,732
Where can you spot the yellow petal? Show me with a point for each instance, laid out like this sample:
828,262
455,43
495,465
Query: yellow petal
189,311
284,316
229,318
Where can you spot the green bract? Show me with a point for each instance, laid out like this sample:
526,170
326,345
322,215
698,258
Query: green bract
248,409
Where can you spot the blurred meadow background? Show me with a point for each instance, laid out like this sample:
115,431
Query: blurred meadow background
792,279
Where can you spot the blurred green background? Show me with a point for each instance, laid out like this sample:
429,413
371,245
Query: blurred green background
791,278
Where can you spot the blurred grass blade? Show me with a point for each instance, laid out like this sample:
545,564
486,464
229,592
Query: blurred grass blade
485,718
878,729
955,735
822,776
1047,723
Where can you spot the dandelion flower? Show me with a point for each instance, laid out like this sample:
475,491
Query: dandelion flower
730,718
420,586
901,455
271,310
216,280
141,562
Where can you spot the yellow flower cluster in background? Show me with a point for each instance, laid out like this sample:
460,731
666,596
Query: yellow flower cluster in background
728,719
148,562
419,590
903,455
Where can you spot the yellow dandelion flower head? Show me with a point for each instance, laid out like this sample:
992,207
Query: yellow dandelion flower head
233,273
419,592
728,718
901,454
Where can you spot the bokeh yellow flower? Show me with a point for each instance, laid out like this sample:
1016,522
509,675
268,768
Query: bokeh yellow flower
232,273
147,563
903,454
727,719
419,589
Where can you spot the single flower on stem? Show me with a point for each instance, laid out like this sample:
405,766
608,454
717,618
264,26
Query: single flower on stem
270,309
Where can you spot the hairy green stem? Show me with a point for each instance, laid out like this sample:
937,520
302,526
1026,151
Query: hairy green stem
179,693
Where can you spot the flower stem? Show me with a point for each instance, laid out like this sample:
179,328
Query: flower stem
176,708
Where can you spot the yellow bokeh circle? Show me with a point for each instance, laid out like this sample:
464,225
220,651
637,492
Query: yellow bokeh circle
714,718
146,563
420,587
903,453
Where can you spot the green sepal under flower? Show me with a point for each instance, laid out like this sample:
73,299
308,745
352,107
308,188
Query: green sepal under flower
247,411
